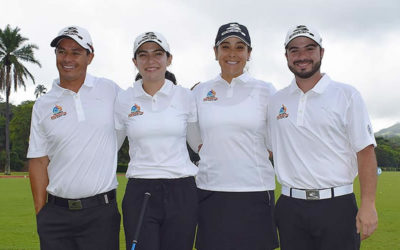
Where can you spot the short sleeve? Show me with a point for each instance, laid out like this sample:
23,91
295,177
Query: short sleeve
117,89
119,113
37,139
265,98
268,132
358,124
192,107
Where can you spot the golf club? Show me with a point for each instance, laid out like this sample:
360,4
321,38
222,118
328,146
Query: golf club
140,221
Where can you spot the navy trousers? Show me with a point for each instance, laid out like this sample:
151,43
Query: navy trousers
88,228
171,215
328,224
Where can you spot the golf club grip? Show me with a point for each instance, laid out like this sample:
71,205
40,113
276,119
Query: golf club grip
140,221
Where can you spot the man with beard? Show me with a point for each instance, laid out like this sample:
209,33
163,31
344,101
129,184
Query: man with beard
321,138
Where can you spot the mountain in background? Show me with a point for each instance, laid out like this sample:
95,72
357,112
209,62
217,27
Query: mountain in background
393,131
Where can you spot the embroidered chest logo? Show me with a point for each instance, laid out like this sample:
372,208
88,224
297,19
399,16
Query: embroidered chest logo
282,113
57,112
210,96
135,110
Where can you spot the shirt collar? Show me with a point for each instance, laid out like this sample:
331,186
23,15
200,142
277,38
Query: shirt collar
319,88
245,77
322,84
139,91
58,90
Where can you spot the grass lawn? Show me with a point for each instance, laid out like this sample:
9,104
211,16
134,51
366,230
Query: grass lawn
18,223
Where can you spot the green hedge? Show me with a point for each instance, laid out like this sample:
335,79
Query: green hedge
122,167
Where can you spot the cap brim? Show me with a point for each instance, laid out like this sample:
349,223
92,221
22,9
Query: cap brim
309,37
241,39
57,40
153,41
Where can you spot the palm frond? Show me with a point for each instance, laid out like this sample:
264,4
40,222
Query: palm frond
26,54
12,53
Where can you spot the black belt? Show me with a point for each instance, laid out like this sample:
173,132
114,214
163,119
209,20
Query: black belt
78,204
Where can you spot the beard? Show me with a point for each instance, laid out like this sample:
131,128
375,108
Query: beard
306,74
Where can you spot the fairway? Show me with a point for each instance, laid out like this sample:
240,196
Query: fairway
18,223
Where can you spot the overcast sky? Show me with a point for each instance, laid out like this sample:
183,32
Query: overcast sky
361,40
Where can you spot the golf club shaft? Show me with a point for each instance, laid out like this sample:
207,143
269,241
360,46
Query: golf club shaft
140,221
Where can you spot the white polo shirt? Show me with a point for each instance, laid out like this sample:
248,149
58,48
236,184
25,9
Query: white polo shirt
232,120
76,131
156,128
315,136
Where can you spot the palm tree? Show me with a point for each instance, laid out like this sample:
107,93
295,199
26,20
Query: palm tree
13,52
40,90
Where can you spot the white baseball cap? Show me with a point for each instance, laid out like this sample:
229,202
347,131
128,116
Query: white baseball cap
305,31
78,34
151,37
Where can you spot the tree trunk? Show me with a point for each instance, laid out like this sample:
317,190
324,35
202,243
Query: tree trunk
7,169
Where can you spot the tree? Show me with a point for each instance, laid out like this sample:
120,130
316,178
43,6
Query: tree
13,52
19,134
388,152
40,90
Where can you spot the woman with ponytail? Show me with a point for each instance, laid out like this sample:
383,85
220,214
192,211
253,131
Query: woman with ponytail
155,114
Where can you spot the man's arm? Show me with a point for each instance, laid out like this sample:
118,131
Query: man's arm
39,181
367,218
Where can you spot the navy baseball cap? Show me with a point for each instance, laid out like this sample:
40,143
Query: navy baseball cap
233,30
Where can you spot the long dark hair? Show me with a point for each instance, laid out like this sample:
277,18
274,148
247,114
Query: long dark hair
168,75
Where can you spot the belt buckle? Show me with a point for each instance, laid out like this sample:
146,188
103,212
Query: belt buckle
312,194
75,204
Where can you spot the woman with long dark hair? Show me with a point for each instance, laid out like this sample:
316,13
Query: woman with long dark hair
155,114
236,179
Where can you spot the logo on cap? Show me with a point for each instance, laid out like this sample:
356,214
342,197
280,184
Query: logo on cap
301,29
282,113
72,31
149,36
135,110
57,112
210,96
233,27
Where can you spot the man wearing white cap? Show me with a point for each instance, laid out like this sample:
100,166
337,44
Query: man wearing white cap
73,152
321,138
